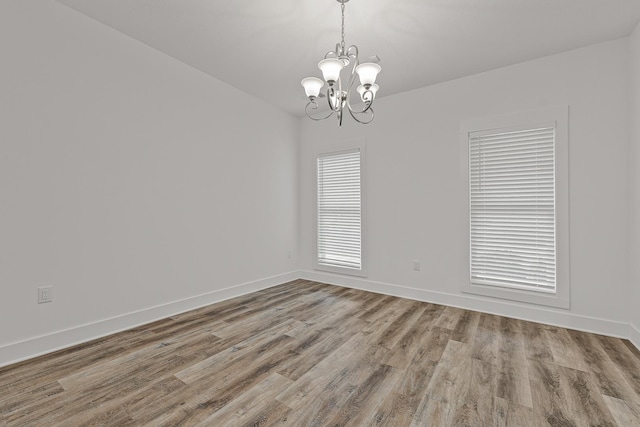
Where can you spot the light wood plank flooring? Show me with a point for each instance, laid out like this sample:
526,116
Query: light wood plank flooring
310,354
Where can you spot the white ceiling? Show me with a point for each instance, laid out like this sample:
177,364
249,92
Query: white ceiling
265,47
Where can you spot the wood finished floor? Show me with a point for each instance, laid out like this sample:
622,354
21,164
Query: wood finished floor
310,354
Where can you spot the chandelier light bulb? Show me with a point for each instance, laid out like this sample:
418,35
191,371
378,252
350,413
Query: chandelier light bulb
368,73
312,86
331,68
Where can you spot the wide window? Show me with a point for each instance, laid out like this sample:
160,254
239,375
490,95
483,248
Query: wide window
513,211
339,237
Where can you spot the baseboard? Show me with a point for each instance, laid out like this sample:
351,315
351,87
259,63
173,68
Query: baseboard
33,347
634,335
515,310
27,349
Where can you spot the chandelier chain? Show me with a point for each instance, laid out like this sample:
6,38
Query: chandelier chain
342,44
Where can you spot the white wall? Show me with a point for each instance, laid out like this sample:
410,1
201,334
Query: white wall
634,158
132,183
416,191
128,181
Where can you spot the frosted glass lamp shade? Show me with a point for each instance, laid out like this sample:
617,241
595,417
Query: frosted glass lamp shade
331,68
312,86
366,96
368,73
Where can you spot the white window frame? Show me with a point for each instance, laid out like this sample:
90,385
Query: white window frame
347,146
559,117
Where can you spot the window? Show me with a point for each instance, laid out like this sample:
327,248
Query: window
513,209
339,236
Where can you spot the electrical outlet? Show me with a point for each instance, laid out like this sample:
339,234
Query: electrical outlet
289,254
416,265
45,294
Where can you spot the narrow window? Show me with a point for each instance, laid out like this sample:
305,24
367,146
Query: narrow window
339,212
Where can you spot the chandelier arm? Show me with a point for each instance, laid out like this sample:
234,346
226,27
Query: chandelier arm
354,47
356,62
314,106
367,104
340,106
332,53
340,103
352,52
362,122
331,99
366,108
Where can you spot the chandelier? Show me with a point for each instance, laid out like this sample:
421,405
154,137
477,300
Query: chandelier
339,96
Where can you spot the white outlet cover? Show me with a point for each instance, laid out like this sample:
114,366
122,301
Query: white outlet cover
45,294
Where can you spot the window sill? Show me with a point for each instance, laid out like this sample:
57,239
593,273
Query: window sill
340,270
529,297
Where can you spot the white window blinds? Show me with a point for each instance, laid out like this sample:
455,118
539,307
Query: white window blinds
512,208
339,210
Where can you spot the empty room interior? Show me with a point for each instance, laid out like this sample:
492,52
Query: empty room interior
327,212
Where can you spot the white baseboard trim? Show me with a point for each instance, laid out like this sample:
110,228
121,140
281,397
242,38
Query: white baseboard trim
33,347
539,314
634,335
